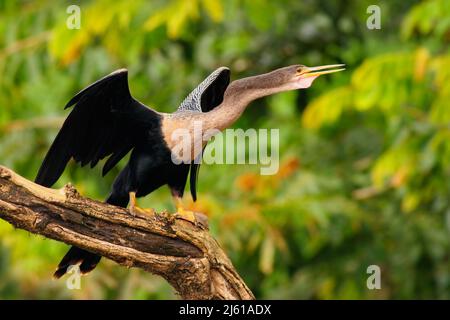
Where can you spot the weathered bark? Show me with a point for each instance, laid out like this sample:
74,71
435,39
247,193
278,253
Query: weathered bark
182,253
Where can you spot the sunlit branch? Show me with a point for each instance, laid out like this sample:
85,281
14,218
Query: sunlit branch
183,254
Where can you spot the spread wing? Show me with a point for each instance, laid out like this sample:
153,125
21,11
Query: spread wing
105,121
205,97
209,93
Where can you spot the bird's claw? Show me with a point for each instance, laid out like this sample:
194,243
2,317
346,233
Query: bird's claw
139,212
186,215
197,219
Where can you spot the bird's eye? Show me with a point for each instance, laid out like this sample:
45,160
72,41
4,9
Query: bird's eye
299,70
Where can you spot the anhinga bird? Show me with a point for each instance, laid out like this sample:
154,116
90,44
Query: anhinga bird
108,121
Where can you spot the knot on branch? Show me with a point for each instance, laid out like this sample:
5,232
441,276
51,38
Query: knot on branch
71,192
5,173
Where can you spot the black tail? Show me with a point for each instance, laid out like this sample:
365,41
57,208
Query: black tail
87,260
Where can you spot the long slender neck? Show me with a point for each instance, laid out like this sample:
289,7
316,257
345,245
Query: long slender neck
236,99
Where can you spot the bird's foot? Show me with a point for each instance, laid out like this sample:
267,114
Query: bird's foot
139,212
136,211
186,215
197,219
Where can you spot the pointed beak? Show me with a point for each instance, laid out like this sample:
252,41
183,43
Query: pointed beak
320,70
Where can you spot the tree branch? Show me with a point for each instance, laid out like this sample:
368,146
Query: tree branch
183,254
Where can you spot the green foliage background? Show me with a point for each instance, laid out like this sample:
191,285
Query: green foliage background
365,154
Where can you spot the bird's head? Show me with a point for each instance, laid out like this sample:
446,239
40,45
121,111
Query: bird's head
300,76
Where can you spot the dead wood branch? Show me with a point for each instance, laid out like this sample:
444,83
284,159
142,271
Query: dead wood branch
183,254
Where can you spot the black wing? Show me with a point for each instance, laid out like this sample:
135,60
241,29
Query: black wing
208,95
106,120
